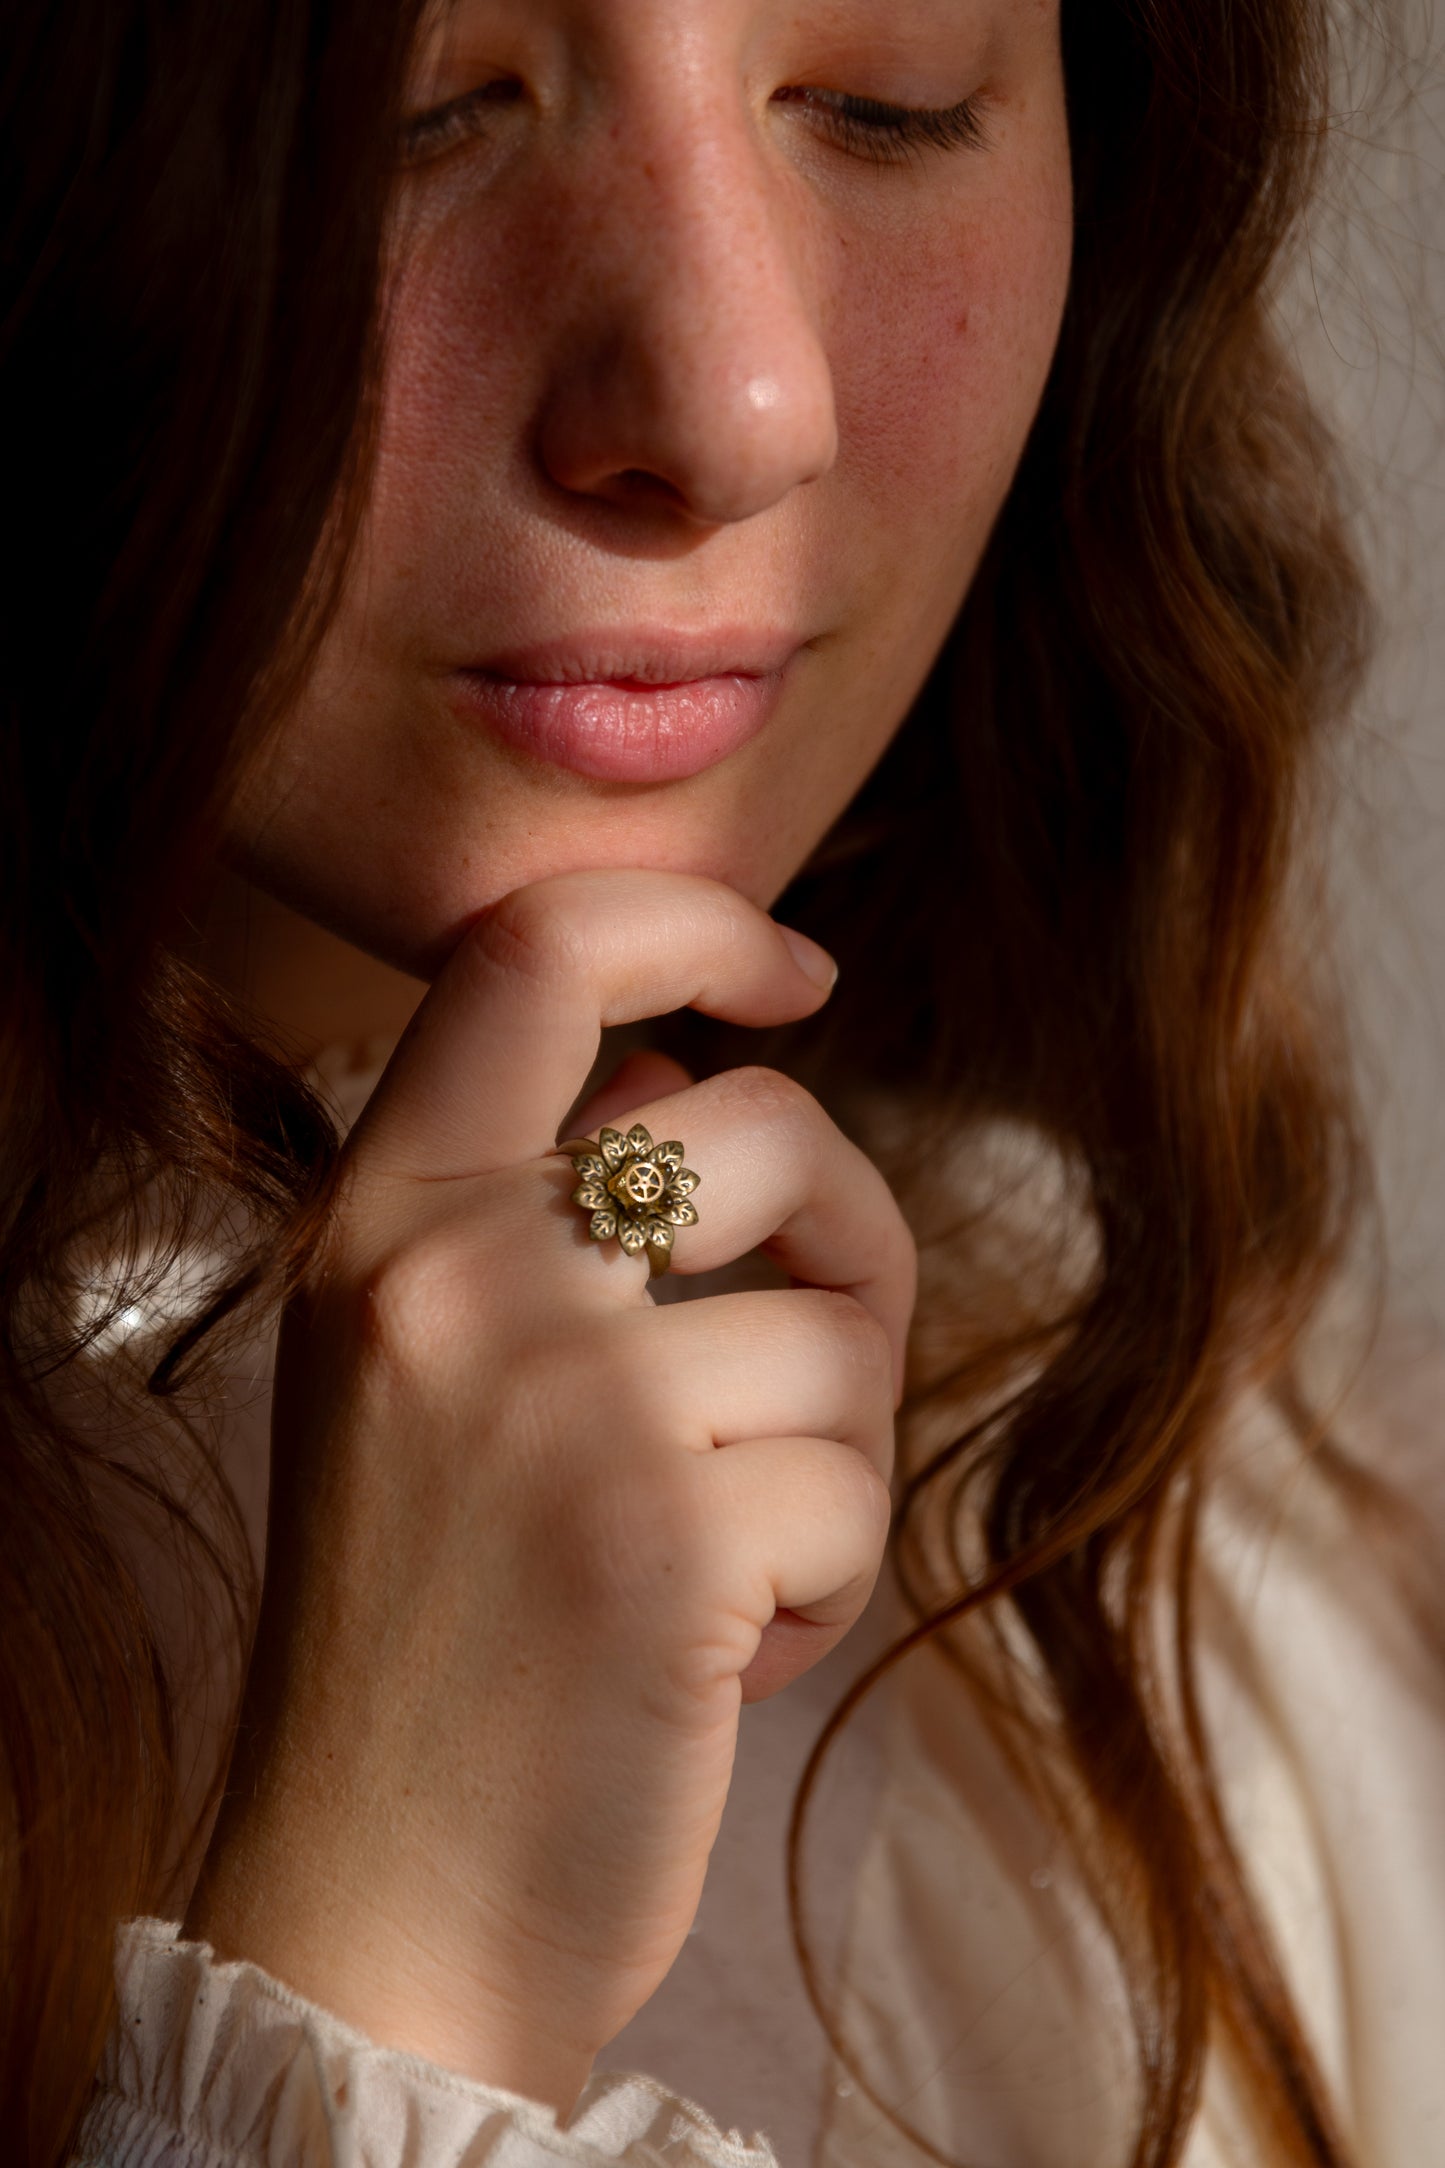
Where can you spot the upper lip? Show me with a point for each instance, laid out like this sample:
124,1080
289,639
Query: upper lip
633,655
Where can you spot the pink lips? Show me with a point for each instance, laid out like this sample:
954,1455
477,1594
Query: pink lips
633,706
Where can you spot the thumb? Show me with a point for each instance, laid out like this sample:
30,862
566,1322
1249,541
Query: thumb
639,1078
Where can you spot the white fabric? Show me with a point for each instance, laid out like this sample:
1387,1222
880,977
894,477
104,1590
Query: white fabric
976,1991
217,2064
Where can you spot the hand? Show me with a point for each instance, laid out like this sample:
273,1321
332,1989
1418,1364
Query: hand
533,1537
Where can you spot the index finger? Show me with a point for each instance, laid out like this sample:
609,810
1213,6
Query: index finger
502,1043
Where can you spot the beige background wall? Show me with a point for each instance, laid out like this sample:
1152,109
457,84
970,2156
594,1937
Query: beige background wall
1368,305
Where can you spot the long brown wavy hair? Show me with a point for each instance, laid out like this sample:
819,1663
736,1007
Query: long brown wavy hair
1109,779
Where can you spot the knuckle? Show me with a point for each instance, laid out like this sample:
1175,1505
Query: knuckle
529,932
903,1249
896,1248
769,1096
860,1339
871,1499
405,1308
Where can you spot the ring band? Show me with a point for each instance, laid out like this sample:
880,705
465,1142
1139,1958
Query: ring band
635,1190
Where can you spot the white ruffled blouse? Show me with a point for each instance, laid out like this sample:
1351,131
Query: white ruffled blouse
963,1965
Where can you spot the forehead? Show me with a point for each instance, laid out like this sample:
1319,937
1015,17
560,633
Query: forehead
778,15
918,52
670,22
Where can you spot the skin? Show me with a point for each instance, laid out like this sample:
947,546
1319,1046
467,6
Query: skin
516,1594
583,449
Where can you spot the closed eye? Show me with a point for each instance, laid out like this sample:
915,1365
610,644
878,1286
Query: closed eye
865,127
426,135
892,134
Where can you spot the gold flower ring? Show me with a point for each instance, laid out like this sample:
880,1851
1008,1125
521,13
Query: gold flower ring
634,1189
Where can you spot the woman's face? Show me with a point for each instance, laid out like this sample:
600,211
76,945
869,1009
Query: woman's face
709,370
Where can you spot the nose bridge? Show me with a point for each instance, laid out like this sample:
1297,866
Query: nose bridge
703,243
698,359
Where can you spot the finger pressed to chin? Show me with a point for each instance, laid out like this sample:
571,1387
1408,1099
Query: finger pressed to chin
503,1042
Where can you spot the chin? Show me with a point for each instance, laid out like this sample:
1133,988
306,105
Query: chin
414,924
434,929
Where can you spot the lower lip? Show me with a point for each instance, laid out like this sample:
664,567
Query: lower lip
625,733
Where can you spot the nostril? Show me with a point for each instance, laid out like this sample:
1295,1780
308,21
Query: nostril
636,485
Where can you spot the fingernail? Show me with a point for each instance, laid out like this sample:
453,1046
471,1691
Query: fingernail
814,962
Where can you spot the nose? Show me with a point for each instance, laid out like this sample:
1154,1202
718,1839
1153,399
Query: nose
691,374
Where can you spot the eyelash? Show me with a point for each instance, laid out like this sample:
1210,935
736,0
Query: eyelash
427,135
886,135
890,135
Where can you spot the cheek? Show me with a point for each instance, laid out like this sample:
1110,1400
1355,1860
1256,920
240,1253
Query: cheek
940,352
453,476
450,385
460,332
